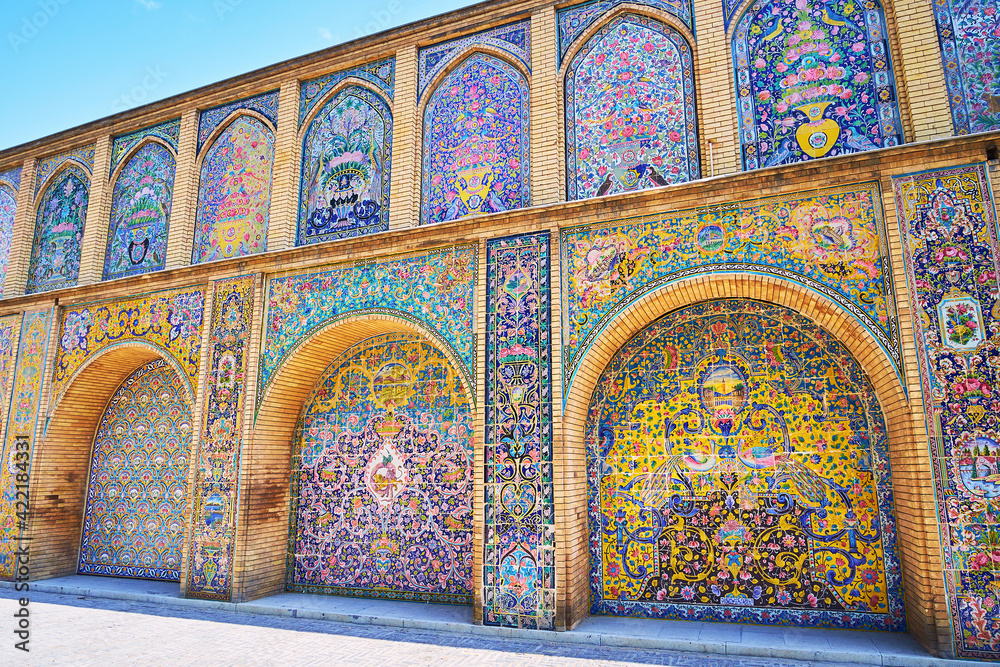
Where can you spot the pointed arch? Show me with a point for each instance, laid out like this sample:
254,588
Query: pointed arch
141,200
346,160
60,216
8,208
234,193
476,137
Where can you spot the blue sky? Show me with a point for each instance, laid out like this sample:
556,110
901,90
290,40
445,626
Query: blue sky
67,62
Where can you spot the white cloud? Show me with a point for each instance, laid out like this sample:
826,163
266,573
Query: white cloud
149,4
325,34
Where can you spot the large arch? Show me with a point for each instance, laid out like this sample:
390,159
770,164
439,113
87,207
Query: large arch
909,469
62,454
263,533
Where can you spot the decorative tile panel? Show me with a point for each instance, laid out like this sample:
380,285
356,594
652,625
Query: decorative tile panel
434,289
970,41
266,104
630,110
576,20
519,576
514,39
217,484
137,495
62,214
382,479
234,196
476,142
382,74
140,213
169,132
346,157
81,156
948,223
738,470
831,241
11,178
169,320
8,208
813,78
19,436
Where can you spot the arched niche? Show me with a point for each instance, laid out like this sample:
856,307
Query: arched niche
8,207
60,216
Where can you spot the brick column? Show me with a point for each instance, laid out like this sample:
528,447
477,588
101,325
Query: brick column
23,233
95,231
284,194
182,211
404,193
715,91
546,186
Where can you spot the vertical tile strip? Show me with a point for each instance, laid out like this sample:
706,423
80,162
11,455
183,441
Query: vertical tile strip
21,422
519,560
216,486
948,223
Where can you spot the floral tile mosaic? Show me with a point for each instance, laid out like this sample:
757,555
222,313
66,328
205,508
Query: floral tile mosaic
169,133
266,104
970,41
514,39
382,74
576,20
59,224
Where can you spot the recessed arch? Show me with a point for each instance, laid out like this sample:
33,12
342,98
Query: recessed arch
485,167
265,530
60,216
8,209
63,451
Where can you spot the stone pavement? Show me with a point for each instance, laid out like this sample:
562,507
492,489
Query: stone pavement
97,620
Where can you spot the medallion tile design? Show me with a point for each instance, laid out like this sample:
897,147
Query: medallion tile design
137,496
514,39
216,487
82,156
21,420
970,40
576,20
140,213
8,208
831,241
630,110
346,155
476,142
62,214
738,470
169,320
382,74
266,104
12,178
234,197
382,479
169,132
813,78
950,240
435,290
519,576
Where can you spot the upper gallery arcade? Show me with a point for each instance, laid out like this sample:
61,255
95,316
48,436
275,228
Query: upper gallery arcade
659,308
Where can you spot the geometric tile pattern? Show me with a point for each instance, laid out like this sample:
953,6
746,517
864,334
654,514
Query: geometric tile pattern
62,213
216,484
382,480
19,436
519,577
475,156
738,471
434,289
970,41
630,110
140,213
82,156
514,39
948,222
266,104
813,78
381,73
169,132
346,153
234,198
832,241
137,496
575,20
170,321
